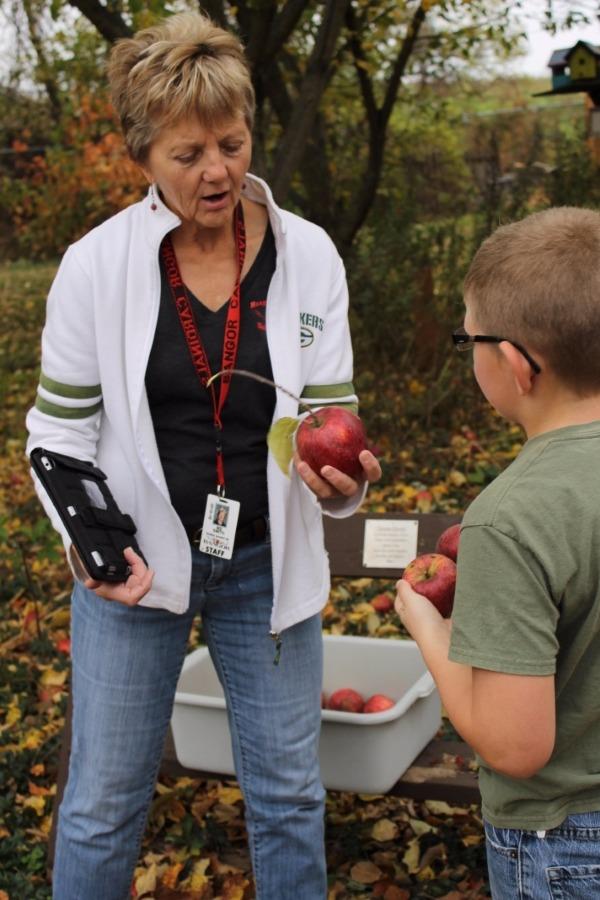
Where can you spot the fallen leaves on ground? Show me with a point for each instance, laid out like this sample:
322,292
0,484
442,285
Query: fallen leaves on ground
195,846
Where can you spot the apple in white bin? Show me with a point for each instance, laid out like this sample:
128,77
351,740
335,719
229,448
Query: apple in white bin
332,436
447,543
377,703
433,576
346,700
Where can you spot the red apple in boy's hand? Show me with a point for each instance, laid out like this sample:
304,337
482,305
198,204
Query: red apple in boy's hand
346,700
332,436
377,703
433,576
447,543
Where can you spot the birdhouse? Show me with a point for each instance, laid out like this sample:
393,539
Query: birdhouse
559,66
583,62
576,70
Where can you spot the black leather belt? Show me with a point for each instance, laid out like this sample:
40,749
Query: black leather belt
256,530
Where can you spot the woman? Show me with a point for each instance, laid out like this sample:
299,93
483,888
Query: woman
205,273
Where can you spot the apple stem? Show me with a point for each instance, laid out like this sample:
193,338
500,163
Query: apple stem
246,372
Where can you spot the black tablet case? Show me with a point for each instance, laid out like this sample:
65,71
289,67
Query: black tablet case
99,530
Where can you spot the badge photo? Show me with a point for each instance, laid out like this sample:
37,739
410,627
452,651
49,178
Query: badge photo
219,526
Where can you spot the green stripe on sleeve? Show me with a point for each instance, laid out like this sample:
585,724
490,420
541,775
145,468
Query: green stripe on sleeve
72,391
327,391
353,407
66,412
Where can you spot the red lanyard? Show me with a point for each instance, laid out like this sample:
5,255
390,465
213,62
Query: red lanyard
231,338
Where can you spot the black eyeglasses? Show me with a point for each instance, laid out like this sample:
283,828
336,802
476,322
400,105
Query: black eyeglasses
463,342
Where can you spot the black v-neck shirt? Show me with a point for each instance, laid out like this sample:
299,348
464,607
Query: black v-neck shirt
182,410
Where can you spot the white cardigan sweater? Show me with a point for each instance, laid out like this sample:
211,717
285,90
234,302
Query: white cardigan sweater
92,404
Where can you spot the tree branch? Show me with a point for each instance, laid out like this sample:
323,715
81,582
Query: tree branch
317,179
214,9
293,143
360,65
313,167
378,120
275,88
404,55
283,25
255,23
354,217
109,23
45,72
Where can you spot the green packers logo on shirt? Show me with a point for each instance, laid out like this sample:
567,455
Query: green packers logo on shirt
308,324
306,337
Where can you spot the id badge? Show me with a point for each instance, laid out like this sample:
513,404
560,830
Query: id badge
219,525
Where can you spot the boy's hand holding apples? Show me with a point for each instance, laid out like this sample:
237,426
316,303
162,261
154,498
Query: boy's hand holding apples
425,593
417,614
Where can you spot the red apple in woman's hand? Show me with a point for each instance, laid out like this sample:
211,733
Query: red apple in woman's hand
447,543
332,436
433,576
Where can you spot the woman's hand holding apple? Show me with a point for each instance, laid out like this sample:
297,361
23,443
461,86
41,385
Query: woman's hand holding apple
328,437
331,453
331,482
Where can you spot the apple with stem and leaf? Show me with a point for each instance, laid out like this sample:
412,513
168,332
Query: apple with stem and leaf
330,436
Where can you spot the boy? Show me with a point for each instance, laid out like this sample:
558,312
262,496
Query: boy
518,666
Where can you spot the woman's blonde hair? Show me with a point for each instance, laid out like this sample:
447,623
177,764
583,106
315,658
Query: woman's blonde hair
185,65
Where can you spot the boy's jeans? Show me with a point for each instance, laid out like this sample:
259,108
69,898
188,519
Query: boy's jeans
126,662
560,864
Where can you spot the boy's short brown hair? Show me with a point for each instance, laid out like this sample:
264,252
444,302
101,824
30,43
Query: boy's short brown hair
537,282
185,65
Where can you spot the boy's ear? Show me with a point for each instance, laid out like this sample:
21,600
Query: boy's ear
523,374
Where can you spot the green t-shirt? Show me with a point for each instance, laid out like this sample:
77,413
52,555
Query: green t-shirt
528,602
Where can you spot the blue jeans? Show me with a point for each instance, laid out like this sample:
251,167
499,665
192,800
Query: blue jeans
126,662
560,864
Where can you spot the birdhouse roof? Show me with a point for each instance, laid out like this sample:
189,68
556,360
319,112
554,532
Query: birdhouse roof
593,48
561,57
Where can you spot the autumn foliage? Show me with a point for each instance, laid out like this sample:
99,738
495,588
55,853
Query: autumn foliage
84,176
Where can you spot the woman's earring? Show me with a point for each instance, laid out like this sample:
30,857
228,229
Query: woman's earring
153,205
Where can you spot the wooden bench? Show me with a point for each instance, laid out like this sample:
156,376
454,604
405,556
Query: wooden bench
444,770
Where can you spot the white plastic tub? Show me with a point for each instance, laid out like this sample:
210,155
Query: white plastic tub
359,752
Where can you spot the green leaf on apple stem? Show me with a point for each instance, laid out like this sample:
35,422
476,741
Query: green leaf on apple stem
281,441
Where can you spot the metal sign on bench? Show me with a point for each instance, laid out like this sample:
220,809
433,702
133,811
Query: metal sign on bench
380,545
389,543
